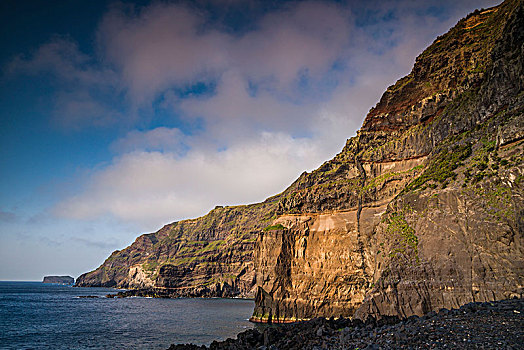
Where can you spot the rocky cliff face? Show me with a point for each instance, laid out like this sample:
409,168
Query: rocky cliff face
423,209
208,256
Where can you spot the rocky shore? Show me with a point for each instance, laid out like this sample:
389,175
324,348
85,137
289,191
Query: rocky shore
489,325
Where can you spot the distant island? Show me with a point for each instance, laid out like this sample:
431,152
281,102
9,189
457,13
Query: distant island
59,279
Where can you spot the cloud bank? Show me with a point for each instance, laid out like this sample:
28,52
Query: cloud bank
244,111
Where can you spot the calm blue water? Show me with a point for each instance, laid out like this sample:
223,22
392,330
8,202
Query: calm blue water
35,315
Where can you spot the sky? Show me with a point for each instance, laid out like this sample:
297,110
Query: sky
118,117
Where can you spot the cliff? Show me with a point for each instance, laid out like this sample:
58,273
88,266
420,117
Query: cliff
207,256
423,209
59,279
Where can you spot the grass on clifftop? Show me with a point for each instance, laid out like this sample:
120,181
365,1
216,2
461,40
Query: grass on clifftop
274,227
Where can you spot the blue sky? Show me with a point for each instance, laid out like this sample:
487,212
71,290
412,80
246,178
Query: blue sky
120,117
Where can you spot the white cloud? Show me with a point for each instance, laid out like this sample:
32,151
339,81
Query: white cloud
62,57
8,216
161,46
232,113
308,37
169,44
152,188
160,139
77,104
78,109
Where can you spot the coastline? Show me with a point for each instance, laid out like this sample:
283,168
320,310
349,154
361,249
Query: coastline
167,294
84,318
487,325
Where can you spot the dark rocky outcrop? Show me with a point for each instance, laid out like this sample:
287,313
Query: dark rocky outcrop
59,279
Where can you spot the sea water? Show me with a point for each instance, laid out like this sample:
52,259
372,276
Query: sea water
35,315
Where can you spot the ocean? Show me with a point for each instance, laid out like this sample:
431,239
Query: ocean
35,315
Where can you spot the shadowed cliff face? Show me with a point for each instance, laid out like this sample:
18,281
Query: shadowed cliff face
422,209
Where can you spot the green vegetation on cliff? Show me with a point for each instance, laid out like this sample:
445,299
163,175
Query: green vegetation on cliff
441,169
274,227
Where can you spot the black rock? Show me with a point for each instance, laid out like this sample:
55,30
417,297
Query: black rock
67,280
